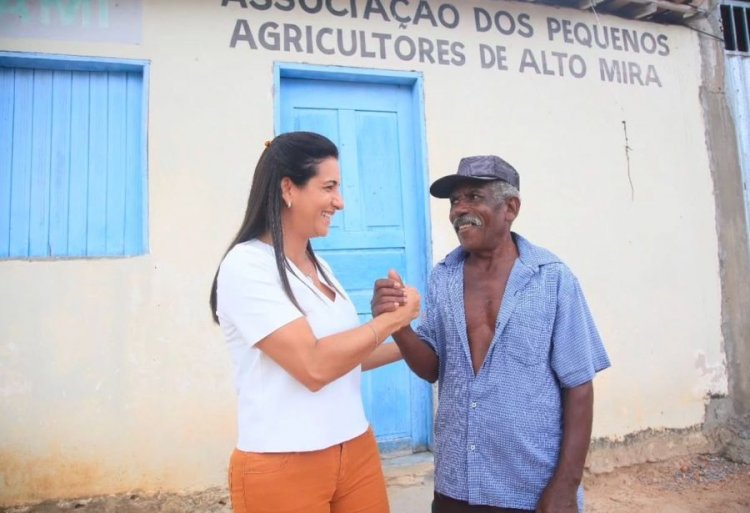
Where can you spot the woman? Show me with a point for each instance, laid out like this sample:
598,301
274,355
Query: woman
304,444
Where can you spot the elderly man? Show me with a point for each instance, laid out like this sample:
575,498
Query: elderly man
508,334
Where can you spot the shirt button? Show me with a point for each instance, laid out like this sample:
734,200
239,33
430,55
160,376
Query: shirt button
472,447
474,405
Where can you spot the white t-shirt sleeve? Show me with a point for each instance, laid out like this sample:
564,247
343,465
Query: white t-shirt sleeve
250,295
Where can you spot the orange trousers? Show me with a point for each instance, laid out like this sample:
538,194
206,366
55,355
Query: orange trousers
345,478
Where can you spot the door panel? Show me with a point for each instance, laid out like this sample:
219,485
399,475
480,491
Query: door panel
381,226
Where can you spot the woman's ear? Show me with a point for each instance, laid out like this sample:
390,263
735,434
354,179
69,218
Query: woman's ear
286,190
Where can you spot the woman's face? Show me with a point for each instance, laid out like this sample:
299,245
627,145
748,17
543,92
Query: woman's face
315,203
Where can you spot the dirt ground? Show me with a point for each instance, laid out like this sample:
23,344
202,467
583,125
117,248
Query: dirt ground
696,484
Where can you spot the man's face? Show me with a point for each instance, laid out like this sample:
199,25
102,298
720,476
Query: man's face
481,220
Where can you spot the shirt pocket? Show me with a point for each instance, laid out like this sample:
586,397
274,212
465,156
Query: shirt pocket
527,337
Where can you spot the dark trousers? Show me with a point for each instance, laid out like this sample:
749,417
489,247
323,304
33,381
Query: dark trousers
444,504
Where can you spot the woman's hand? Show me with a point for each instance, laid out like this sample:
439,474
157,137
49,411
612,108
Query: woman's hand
409,310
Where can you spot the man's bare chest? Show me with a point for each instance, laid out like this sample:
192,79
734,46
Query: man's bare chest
483,295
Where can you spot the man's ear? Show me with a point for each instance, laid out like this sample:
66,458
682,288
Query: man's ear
514,206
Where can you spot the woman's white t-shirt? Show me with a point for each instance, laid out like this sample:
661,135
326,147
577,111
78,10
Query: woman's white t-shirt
276,413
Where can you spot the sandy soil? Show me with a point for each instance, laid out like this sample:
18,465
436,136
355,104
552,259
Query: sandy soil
699,484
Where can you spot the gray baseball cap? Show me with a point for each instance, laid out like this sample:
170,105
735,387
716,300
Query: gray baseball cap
483,168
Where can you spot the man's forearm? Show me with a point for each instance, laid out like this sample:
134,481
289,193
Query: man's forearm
420,358
578,414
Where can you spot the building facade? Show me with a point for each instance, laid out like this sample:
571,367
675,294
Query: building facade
128,136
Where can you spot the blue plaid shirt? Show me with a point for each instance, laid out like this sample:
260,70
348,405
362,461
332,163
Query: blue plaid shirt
498,433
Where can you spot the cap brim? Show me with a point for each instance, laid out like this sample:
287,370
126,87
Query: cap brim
442,187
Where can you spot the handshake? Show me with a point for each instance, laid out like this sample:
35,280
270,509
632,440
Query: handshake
391,297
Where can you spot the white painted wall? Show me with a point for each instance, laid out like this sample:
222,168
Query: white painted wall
113,378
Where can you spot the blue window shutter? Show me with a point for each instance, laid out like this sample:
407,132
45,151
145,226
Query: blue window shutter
72,177
20,189
6,156
96,220
41,130
135,182
79,164
116,162
60,163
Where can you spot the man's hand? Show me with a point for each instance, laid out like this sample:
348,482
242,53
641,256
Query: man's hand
388,294
558,497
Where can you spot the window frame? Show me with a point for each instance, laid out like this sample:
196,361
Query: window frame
59,62
739,34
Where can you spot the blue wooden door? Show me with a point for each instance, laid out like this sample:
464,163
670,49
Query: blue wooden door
381,227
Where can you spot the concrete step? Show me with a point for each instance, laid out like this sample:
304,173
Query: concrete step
408,469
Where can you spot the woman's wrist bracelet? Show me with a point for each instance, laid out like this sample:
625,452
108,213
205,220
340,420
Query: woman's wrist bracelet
374,332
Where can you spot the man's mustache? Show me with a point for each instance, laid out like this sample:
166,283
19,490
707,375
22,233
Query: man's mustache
466,219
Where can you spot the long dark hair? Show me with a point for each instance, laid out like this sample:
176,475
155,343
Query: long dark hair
295,155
